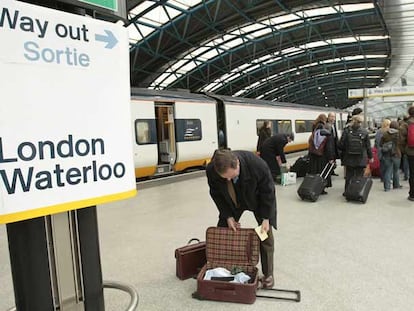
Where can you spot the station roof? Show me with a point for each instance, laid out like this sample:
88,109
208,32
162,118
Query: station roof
299,51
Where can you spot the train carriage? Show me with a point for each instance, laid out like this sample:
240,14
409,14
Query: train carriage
171,132
242,118
178,130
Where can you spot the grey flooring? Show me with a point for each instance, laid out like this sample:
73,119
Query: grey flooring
342,256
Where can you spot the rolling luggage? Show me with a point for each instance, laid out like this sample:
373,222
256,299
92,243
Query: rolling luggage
358,189
313,184
301,166
235,251
190,259
375,165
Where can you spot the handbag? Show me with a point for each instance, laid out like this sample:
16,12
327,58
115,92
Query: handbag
288,178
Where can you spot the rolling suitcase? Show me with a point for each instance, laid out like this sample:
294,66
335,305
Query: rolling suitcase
313,184
375,165
358,189
190,259
301,166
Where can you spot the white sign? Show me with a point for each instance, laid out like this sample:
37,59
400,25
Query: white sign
382,92
65,132
355,93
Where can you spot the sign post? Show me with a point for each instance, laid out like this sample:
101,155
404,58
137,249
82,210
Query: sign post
65,144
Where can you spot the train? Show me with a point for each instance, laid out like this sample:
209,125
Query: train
176,130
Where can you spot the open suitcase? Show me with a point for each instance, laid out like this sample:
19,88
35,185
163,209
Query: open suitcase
230,249
190,259
313,184
358,189
235,250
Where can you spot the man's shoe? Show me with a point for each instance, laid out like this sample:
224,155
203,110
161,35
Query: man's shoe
324,192
411,198
268,282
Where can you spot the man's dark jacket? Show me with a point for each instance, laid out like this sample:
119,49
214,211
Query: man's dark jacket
256,190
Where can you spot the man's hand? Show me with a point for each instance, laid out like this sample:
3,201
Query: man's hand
234,225
265,225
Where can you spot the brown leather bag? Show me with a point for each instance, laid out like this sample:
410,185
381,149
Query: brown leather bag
190,259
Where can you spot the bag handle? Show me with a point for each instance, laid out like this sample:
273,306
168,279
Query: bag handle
193,239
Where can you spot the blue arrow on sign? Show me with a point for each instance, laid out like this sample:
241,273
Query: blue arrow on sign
109,38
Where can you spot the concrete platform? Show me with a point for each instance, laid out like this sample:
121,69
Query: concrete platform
341,256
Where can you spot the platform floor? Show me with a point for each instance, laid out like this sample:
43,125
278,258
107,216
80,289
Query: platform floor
341,256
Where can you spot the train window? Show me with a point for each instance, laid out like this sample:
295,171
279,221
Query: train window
188,130
341,124
282,126
145,132
303,126
259,124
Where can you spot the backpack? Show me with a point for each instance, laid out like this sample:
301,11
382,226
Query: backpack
316,135
388,147
355,142
410,135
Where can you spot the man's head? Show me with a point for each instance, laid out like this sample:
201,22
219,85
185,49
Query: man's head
331,117
226,164
411,111
357,121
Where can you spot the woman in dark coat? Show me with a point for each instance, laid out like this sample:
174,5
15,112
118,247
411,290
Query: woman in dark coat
321,148
264,133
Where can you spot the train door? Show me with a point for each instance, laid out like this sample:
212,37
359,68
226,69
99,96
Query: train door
164,115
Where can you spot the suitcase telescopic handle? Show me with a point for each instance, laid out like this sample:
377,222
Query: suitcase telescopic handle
193,239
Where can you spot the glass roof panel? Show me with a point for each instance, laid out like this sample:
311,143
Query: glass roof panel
185,3
163,12
156,17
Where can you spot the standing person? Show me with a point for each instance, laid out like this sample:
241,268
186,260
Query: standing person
331,123
385,125
391,156
264,133
408,149
239,181
273,154
404,159
321,148
356,149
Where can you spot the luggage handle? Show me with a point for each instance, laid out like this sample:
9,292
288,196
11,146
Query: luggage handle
192,240
327,170
296,292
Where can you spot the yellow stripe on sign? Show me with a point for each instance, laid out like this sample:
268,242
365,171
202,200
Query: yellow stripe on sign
54,209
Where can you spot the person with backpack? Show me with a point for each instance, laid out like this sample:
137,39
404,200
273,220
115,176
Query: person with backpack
391,156
407,145
321,148
356,149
